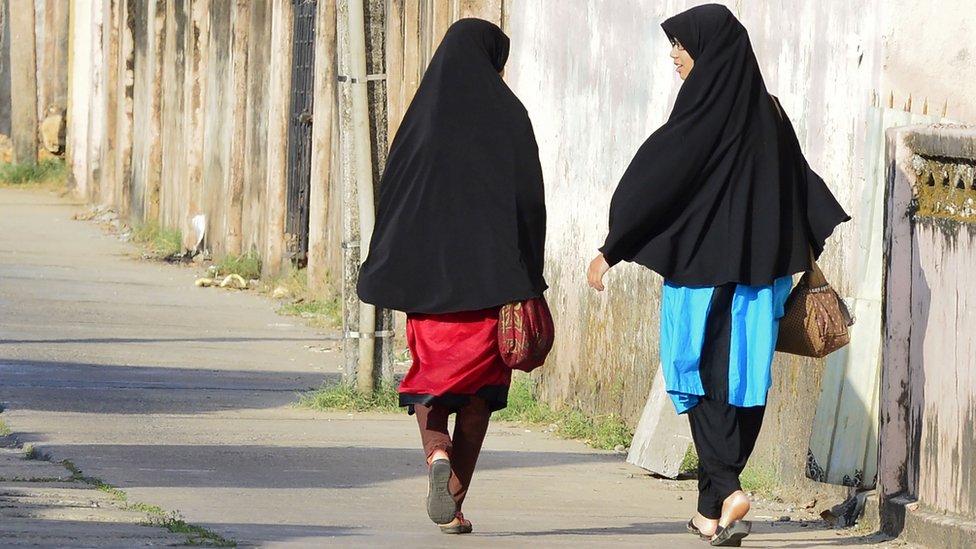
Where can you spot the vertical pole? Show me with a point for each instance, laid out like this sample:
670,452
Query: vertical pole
358,180
23,81
365,374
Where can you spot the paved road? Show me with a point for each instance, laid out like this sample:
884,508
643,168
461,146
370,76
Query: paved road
182,397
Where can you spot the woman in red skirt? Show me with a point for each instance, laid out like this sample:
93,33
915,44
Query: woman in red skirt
460,231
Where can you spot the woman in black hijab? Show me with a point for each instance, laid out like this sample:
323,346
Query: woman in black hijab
460,230
721,202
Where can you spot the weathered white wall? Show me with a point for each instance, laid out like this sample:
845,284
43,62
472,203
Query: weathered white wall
928,390
80,88
930,55
947,476
596,78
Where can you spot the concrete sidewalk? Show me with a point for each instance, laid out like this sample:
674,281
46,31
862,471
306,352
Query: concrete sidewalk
182,398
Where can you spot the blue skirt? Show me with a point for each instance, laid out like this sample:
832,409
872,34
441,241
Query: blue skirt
718,342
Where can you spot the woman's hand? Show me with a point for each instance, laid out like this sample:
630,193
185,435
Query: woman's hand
594,275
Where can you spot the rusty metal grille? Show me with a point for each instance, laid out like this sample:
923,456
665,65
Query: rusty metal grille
300,129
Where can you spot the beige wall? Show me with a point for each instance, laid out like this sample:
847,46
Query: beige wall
596,79
930,55
168,119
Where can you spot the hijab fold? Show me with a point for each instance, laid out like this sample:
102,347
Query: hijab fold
460,224
721,192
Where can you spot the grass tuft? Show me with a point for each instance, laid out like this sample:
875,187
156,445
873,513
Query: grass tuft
755,479
603,432
198,536
315,312
758,480
247,265
689,464
345,397
156,516
160,241
4,429
319,309
45,171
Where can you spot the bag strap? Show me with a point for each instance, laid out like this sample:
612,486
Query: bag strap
817,277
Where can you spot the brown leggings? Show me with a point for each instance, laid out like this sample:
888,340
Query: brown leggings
470,427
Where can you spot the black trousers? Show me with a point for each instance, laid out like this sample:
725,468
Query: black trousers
724,437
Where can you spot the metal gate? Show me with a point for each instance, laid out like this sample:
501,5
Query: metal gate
300,129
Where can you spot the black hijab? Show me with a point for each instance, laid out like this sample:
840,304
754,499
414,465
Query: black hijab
460,224
721,192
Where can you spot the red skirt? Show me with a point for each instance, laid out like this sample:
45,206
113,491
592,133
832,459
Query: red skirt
455,356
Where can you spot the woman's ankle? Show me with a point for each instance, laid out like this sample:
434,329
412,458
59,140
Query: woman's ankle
704,524
436,455
735,507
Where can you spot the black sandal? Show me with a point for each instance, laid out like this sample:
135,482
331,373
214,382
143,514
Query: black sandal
692,529
441,507
731,535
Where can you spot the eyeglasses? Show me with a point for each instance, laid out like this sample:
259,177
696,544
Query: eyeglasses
676,44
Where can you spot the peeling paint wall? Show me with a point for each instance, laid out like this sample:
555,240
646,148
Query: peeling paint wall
596,79
942,324
929,376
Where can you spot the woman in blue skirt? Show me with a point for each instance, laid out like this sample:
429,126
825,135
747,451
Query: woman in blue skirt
721,202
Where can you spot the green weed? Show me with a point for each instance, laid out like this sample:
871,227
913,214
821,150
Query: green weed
321,309
316,313
603,432
689,464
758,480
160,241
247,265
523,404
197,536
157,517
46,171
345,396
4,429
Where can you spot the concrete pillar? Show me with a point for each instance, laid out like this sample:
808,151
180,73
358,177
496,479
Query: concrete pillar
95,119
324,234
235,175
53,63
23,81
174,119
197,45
145,106
107,183
156,18
282,23
254,209
130,194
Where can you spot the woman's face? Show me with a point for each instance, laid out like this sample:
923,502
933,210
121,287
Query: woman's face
683,63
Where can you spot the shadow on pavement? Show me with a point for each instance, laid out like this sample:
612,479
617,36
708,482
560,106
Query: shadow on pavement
276,467
128,389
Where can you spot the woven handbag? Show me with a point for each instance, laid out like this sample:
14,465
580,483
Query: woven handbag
816,319
525,333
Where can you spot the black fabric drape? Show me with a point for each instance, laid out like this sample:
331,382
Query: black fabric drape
460,223
721,192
